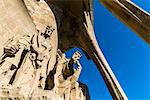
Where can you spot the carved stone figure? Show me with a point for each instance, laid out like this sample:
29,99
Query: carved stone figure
29,58
34,66
43,17
12,58
66,85
37,65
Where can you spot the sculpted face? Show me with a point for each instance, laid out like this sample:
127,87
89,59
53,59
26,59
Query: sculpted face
48,32
76,56
44,38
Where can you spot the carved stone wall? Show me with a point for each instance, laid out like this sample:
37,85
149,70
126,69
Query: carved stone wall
31,65
60,88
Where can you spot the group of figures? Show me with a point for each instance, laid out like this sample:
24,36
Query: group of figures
32,66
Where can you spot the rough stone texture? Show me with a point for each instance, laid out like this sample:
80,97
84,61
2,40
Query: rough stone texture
14,21
62,89
30,63
29,56
13,93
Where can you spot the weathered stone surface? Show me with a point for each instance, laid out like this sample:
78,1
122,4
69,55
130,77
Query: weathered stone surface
63,89
13,93
29,55
30,62
68,88
14,21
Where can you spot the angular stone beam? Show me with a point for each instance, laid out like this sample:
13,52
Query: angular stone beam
87,41
132,15
72,33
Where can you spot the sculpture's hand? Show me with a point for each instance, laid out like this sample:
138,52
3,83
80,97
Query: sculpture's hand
25,43
73,78
78,64
11,49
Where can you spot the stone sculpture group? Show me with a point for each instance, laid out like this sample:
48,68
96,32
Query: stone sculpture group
32,66
34,34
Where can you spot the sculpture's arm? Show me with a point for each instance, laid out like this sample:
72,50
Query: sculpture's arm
13,45
73,78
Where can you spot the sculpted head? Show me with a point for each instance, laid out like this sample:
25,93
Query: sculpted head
76,56
48,32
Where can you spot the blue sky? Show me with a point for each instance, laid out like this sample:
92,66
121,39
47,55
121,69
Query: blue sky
127,54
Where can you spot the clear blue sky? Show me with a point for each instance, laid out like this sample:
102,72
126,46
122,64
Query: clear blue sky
127,54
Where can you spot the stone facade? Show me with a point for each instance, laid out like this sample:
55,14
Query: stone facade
58,88
31,65
33,31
